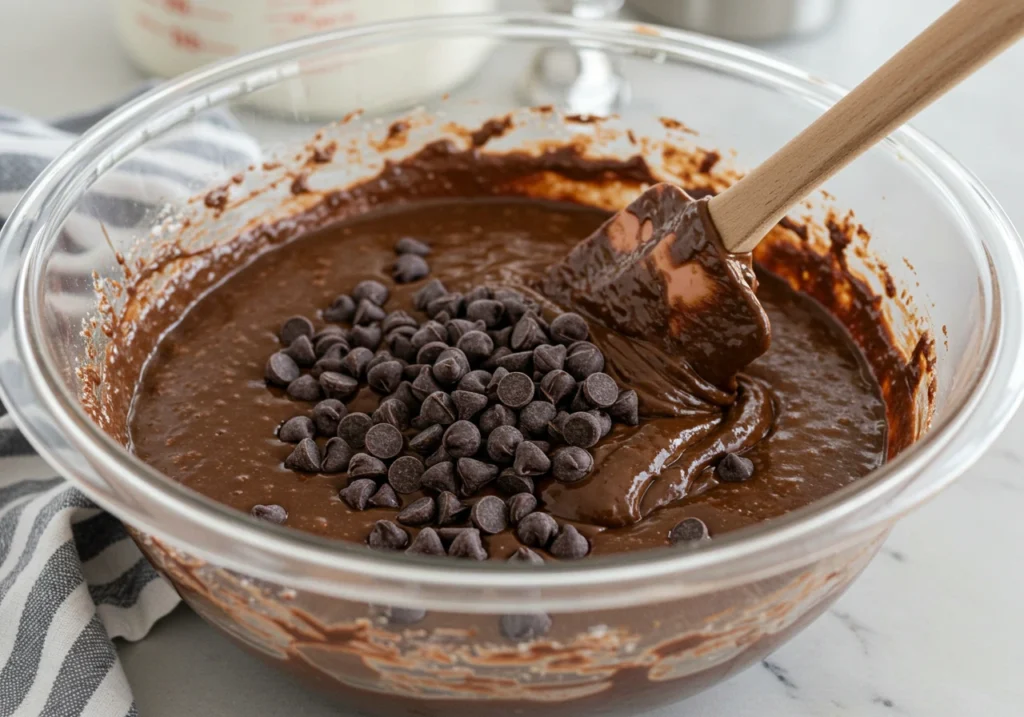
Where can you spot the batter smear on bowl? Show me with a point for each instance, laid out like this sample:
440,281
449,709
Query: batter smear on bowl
403,375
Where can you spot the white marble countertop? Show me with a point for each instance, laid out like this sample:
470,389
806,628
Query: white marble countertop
933,628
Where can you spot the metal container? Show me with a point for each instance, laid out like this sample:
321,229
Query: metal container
749,20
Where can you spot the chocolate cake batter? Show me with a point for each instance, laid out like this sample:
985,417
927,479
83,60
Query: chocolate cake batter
809,414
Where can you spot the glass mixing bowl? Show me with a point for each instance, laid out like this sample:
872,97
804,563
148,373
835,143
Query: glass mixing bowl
627,632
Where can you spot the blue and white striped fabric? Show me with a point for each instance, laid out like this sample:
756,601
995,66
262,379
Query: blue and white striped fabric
71,579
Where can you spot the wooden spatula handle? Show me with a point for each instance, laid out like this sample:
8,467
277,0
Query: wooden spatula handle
967,36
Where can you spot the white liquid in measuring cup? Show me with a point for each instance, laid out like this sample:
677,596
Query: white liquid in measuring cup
167,37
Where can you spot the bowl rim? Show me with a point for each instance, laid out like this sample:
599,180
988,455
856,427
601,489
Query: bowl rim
304,560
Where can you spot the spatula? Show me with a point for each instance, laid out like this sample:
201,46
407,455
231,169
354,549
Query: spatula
678,271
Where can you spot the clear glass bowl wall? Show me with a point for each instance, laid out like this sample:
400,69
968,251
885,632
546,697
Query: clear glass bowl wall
639,630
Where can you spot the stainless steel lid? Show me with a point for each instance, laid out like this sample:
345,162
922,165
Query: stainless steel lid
749,20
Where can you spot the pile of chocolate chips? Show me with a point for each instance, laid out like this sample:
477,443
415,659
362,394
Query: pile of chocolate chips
481,392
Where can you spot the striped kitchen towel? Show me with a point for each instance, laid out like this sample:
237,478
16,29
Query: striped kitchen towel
70,578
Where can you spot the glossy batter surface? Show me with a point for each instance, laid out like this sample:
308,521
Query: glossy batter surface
809,414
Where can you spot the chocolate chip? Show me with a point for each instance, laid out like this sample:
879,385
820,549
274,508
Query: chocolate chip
477,293
468,404
688,530
474,474
604,419
338,385
331,346
281,369
525,556
409,245
439,408
582,429
462,439
366,336
440,477
626,408
392,615
499,353
385,535
570,464
385,376
399,320
394,412
438,456
449,534
502,443
537,530
544,446
450,304
497,415
411,371
475,381
305,457
486,310
382,356
492,386
527,335
501,337
734,468
503,293
426,440
530,460
568,328
442,317
409,268
450,366
428,333
295,327
569,545
358,493
404,395
367,313
457,328
476,345
490,515
467,544
557,385
516,390
385,497
272,513
579,401
449,508
296,429
424,384
401,346
511,483
406,474
600,390
535,416
371,290
557,424
337,455
519,362
429,353
384,441
341,309
430,291
426,543
583,359
363,465
304,388
522,628
547,358
334,365
331,330
356,362
515,308
420,512
302,352
521,505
